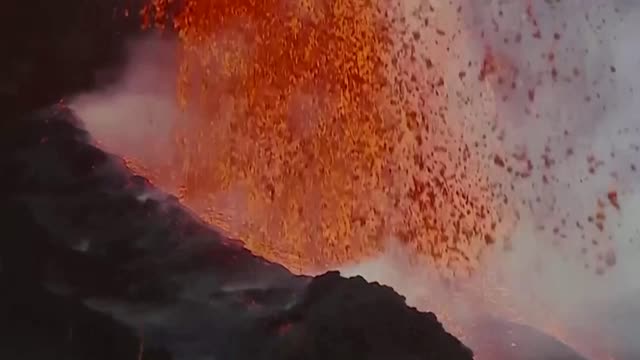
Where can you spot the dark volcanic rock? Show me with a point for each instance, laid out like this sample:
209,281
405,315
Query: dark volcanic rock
98,264
353,319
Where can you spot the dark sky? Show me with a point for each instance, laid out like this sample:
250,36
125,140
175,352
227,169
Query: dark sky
53,48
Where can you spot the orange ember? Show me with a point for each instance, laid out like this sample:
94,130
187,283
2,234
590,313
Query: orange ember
306,135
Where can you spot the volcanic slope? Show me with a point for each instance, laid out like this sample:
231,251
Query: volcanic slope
99,264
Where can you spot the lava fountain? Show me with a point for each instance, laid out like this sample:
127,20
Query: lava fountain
490,141
327,122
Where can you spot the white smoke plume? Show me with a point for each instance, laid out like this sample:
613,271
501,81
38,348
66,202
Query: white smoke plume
135,116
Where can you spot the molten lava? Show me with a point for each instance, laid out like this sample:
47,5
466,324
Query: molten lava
315,130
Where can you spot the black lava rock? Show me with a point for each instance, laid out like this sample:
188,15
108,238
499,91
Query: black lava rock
340,318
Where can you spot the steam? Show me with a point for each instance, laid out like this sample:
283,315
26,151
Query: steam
135,117
575,105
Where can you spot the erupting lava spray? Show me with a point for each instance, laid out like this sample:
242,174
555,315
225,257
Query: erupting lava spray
329,121
494,141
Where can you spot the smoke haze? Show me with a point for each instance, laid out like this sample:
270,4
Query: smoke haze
135,117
